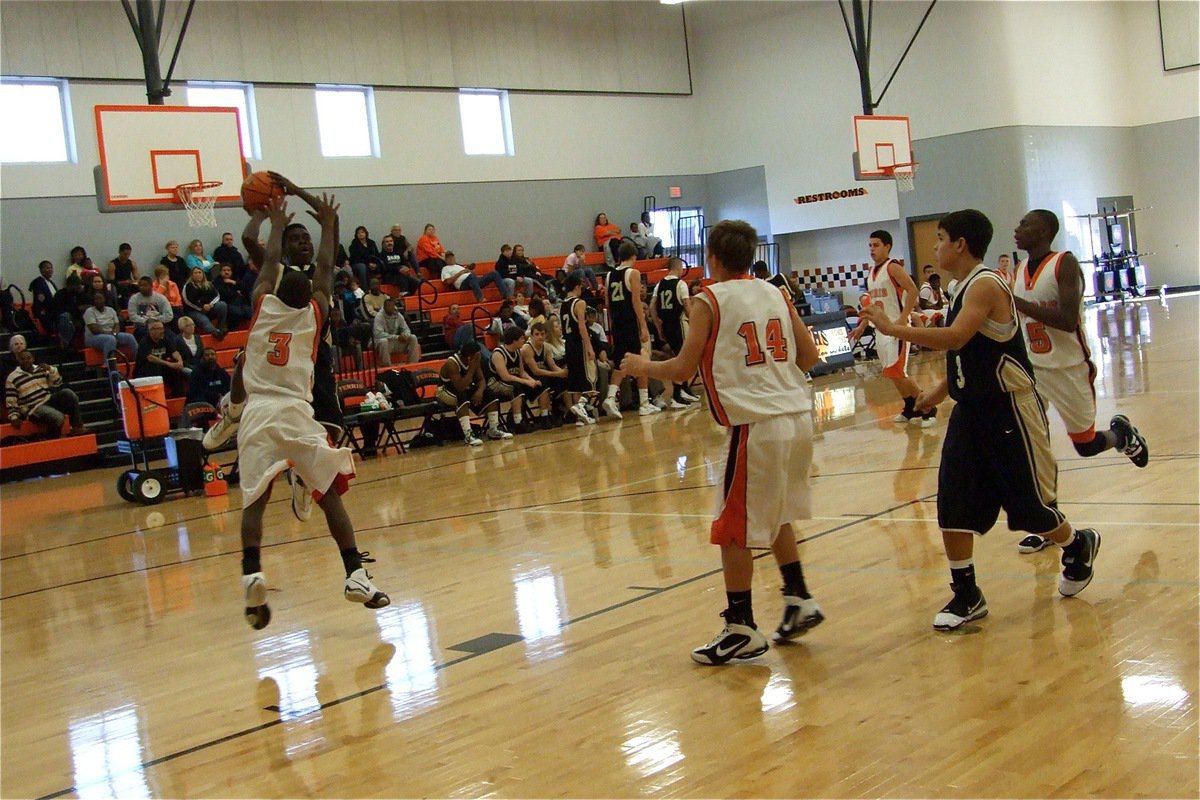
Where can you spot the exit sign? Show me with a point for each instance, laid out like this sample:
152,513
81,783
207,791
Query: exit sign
676,192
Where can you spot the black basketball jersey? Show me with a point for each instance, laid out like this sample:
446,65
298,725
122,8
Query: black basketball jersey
539,356
620,304
985,368
512,362
570,329
670,310
462,370
781,282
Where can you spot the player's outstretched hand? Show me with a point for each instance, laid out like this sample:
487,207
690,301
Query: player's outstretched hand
277,211
635,364
928,399
326,209
288,186
877,316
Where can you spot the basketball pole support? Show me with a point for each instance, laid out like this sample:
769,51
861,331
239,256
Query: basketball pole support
147,29
860,45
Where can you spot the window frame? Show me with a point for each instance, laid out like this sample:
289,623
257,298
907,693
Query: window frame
506,132
368,94
251,113
66,119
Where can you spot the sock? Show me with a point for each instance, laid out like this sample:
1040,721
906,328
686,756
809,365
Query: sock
793,580
493,420
740,611
962,574
517,417
909,402
250,561
612,391
1114,439
643,396
465,424
351,560
1071,539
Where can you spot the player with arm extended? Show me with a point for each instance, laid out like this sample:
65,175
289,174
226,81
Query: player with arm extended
752,350
997,449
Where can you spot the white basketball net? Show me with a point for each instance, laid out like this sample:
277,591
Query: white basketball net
904,178
199,199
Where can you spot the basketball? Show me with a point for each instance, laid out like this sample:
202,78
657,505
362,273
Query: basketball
258,189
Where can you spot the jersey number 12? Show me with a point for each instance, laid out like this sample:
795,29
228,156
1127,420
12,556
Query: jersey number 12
776,342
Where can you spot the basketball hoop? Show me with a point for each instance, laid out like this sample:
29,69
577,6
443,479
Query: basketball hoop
200,200
903,174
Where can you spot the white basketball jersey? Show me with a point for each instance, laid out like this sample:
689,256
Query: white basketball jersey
1048,348
749,362
281,349
883,289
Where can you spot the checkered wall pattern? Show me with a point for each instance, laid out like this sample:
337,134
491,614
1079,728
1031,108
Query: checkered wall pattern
843,276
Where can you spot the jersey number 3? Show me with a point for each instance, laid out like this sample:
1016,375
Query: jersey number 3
776,342
278,355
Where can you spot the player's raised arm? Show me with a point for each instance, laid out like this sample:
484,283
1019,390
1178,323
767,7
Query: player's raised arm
270,268
250,236
326,213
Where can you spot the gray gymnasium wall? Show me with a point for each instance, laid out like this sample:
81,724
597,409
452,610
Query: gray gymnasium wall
738,194
1169,180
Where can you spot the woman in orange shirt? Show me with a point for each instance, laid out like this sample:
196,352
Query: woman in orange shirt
431,255
167,288
605,232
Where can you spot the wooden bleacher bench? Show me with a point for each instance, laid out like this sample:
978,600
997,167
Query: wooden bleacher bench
21,455
234,340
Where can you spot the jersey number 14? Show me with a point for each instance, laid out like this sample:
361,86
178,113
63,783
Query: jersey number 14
776,342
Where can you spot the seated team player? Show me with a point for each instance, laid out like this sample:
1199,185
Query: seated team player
508,380
540,364
1048,287
277,429
932,300
464,389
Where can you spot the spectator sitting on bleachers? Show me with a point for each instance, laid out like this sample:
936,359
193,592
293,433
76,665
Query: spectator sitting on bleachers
464,389
528,273
208,382
451,323
506,266
42,290
169,289
76,264
197,260
403,246
457,276
364,255
554,338
537,311
506,317
431,256
372,302
227,253
605,232
158,356
16,346
147,305
96,283
67,308
204,305
540,364
188,343
237,303
508,380
36,392
396,269
349,336
102,328
575,264
177,267
123,271
392,335
648,246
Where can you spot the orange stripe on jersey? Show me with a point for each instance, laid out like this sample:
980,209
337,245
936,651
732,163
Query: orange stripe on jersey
729,528
706,363
1032,277
257,305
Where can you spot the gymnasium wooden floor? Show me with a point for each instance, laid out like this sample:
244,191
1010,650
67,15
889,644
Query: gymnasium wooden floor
546,593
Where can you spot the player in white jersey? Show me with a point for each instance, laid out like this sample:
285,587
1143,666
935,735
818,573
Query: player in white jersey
1048,287
277,430
752,350
889,285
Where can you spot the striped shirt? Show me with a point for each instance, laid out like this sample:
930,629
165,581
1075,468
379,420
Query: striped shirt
25,391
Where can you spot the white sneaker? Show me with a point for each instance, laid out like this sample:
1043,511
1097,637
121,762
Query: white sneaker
359,589
472,440
800,615
584,413
301,496
734,641
659,402
498,433
688,396
928,422
254,589
648,409
675,405
900,419
225,429
611,408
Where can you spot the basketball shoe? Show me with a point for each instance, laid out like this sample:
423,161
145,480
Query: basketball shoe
647,409
359,589
611,408
496,432
301,496
687,396
1033,544
1077,561
472,440
800,615
258,613
1135,444
962,608
226,426
734,641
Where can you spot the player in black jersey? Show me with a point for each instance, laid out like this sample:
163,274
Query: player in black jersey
668,308
997,448
581,358
629,331
761,271
539,363
508,379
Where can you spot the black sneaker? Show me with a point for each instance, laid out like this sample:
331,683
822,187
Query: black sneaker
962,608
1033,544
800,615
1077,561
734,641
1135,444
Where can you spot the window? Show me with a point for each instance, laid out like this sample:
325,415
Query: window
486,128
224,95
37,129
346,121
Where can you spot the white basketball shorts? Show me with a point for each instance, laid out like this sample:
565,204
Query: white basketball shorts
1072,392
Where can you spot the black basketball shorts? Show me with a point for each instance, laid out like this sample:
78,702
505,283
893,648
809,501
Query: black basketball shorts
622,344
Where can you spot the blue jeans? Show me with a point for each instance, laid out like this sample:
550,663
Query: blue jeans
586,274
107,342
506,285
65,328
360,272
219,310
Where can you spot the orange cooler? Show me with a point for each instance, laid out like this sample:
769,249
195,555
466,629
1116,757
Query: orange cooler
152,396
